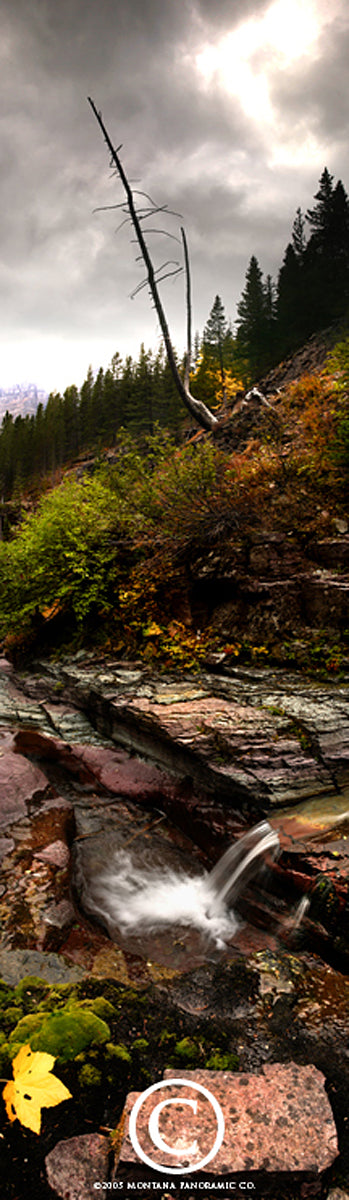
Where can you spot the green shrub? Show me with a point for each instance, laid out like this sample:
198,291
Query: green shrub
62,556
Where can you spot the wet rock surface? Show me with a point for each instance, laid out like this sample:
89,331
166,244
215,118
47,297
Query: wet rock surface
207,756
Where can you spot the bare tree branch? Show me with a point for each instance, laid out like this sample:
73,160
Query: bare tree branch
187,274
198,410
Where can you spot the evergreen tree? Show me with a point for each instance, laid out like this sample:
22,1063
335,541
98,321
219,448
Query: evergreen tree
252,320
70,409
320,217
299,240
327,255
290,315
86,411
215,337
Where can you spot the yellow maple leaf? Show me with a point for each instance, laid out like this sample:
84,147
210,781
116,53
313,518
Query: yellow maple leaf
33,1087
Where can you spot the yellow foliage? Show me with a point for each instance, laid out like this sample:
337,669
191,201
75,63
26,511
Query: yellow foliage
32,1088
210,376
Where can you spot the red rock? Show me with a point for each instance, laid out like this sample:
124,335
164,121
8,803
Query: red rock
56,853
73,1166
277,1121
20,782
126,776
31,741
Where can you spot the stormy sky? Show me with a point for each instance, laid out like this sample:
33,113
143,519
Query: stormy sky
227,111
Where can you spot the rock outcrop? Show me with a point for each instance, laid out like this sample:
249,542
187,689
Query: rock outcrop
99,754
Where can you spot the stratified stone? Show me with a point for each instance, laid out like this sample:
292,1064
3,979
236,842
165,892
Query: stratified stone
75,1165
279,1121
238,749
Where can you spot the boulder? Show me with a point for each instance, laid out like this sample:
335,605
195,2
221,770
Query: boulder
278,1122
75,1165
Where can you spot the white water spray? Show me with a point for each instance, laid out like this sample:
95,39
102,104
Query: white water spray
135,899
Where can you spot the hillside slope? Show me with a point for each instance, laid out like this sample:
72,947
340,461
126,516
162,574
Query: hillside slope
234,546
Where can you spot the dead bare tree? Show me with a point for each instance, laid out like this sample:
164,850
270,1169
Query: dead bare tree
199,411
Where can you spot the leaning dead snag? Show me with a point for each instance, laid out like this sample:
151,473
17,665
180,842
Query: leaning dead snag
197,410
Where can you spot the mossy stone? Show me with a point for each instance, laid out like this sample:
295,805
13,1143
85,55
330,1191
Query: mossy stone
67,1032
26,1027
64,1033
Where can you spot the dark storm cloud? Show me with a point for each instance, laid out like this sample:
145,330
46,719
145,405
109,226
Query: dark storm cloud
62,270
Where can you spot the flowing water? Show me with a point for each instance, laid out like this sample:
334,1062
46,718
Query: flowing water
130,898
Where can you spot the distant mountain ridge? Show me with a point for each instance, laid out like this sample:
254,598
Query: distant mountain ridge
21,399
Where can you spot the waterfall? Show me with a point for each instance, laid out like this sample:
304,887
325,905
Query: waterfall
133,898
242,859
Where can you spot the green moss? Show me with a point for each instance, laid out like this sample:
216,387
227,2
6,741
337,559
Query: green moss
6,994
222,1062
187,1050
6,1058
25,1029
64,1033
119,1052
90,1076
10,1017
140,1045
167,1038
31,990
56,998
102,1007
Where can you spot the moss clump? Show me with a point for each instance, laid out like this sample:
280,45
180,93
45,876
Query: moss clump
140,1045
64,1033
187,1050
10,1017
119,1052
31,991
101,1007
57,998
222,1062
26,1028
90,1076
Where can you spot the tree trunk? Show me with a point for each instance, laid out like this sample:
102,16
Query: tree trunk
197,410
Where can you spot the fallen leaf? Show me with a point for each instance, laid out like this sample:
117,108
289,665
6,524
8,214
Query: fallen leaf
32,1088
